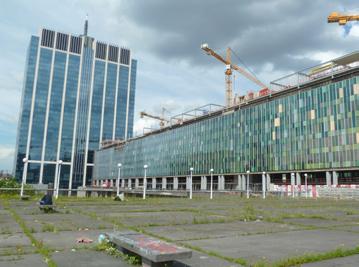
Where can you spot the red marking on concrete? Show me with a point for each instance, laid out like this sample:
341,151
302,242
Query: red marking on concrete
156,245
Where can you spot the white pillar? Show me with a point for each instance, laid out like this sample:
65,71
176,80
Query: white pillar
292,183
175,183
164,183
328,178
244,183
154,183
335,178
239,182
137,183
264,185
298,178
268,181
221,182
122,183
129,183
203,183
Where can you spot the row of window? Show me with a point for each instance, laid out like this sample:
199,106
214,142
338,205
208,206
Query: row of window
277,135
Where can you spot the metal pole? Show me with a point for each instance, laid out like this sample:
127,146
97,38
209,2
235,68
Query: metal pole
118,179
306,185
264,185
58,180
24,173
211,195
190,187
292,181
247,184
144,182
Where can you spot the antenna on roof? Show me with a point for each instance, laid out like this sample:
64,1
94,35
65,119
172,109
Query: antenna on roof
86,25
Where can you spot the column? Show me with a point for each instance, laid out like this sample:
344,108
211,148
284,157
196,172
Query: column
221,182
298,178
264,185
137,183
154,183
268,182
123,183
175,183
239,182
244,182
203,183
129,183
164,183
335,178
328,178
292,182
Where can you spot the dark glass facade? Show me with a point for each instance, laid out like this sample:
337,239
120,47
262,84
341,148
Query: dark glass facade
313,128
70,103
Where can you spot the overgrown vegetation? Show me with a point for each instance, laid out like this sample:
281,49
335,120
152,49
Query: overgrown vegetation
13,187
39,245
111,249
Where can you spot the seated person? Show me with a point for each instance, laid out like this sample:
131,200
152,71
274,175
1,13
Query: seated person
46,200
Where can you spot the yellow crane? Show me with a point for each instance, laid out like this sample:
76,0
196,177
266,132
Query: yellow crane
341,19
229,67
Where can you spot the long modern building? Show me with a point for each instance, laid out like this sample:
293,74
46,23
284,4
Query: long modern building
77,93
306,125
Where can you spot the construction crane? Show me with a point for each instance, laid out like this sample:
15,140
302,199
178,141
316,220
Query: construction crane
229,67
162,120
341,19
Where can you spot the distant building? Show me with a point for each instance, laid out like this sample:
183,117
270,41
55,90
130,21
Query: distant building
77,93
306,125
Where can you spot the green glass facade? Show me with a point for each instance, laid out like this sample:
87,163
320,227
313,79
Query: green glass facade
311,128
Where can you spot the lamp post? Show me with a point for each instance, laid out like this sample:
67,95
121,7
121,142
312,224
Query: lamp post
58,179
144,182
306,184
118,179
292,181
211,195
24,173
190,187
247,187
264,184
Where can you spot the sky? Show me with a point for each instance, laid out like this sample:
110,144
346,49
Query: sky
272,37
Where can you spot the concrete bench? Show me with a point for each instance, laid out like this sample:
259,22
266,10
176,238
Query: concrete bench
154,252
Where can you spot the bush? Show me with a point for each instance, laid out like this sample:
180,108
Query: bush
12,183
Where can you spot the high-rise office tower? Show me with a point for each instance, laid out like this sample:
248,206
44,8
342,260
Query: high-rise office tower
77,93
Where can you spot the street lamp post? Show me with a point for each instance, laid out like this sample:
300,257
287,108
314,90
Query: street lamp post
58,179
118,179
264,185
190,187
306,185
211,195
24,173
144,182
247,187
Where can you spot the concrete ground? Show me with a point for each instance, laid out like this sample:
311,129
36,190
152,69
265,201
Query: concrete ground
225,231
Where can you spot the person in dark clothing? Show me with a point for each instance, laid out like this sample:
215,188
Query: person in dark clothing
46,200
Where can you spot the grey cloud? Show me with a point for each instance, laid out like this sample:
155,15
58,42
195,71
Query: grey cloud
261,31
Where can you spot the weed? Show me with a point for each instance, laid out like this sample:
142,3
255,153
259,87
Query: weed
47,227
112,250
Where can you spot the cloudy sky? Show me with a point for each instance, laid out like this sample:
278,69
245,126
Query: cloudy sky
273,38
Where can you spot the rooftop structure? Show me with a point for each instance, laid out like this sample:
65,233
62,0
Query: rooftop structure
308,126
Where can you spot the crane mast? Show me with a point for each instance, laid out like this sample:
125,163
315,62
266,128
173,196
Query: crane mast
229,67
